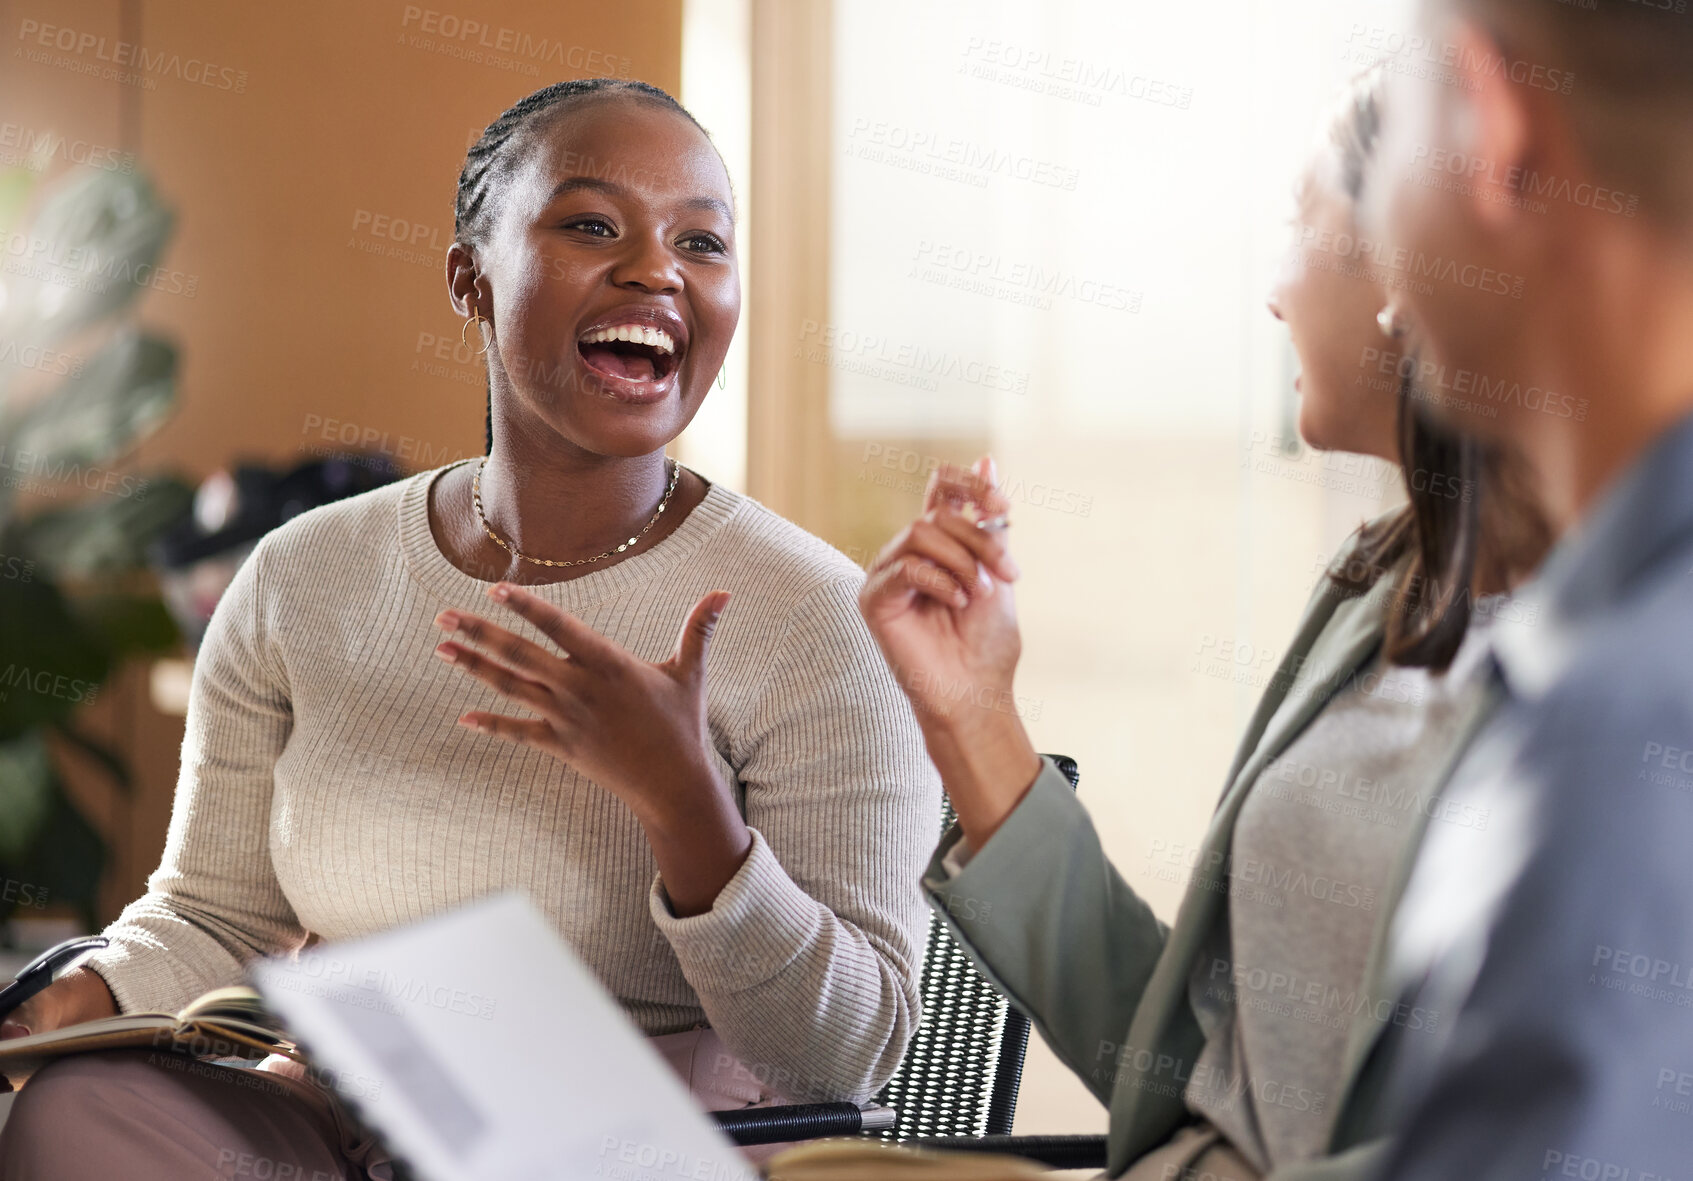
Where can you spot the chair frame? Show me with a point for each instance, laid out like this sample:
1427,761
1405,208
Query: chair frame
783,1124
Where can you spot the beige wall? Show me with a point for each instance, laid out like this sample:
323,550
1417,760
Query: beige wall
327,129
350,129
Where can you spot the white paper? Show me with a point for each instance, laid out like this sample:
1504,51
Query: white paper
483,1050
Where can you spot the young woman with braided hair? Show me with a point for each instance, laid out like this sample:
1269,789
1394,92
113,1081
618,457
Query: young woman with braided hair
735,856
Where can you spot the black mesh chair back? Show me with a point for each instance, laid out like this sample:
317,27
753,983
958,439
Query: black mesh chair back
964,1067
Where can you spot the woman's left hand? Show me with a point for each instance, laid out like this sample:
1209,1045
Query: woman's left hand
637,729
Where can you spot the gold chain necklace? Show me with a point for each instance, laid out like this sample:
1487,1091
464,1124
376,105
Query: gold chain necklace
476,492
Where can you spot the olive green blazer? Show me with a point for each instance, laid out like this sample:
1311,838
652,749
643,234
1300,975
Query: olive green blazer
1048,919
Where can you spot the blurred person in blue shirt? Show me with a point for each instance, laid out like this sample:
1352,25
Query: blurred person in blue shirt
1537,163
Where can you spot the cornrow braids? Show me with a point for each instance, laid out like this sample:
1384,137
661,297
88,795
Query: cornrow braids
494,155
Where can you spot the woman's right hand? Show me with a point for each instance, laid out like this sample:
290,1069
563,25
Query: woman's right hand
938,600
77,996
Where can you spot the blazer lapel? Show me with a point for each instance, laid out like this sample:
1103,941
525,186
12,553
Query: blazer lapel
1334,641
1350,640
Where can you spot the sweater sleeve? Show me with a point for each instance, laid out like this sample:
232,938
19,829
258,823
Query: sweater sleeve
807,964
214,902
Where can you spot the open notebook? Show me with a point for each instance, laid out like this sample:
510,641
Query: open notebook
224,1023
486,1051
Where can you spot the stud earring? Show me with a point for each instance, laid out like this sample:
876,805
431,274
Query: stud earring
1391,323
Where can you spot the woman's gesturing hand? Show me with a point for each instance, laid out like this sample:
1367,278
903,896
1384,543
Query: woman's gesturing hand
635,728
938,600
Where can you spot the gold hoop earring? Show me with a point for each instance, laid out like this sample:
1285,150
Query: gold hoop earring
476,317
722,379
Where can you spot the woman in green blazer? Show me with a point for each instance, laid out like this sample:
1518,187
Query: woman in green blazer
1236,1044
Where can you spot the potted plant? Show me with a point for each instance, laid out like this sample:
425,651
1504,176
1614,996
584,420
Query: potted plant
76,596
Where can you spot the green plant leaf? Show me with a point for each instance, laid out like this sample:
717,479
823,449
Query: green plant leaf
49,662
105,534
26,795
94,244
68,436
67,858
16,184
129,624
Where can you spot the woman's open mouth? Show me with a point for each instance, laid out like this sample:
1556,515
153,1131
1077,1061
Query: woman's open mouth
638,354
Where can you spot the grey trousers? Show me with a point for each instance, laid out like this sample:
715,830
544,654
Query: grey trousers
143,1115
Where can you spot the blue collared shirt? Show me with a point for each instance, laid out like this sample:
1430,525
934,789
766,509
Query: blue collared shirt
1557,943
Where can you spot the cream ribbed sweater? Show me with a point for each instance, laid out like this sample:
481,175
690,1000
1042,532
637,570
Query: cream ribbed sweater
326,788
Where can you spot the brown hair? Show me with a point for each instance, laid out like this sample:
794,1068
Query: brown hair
1625,69
1461,492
